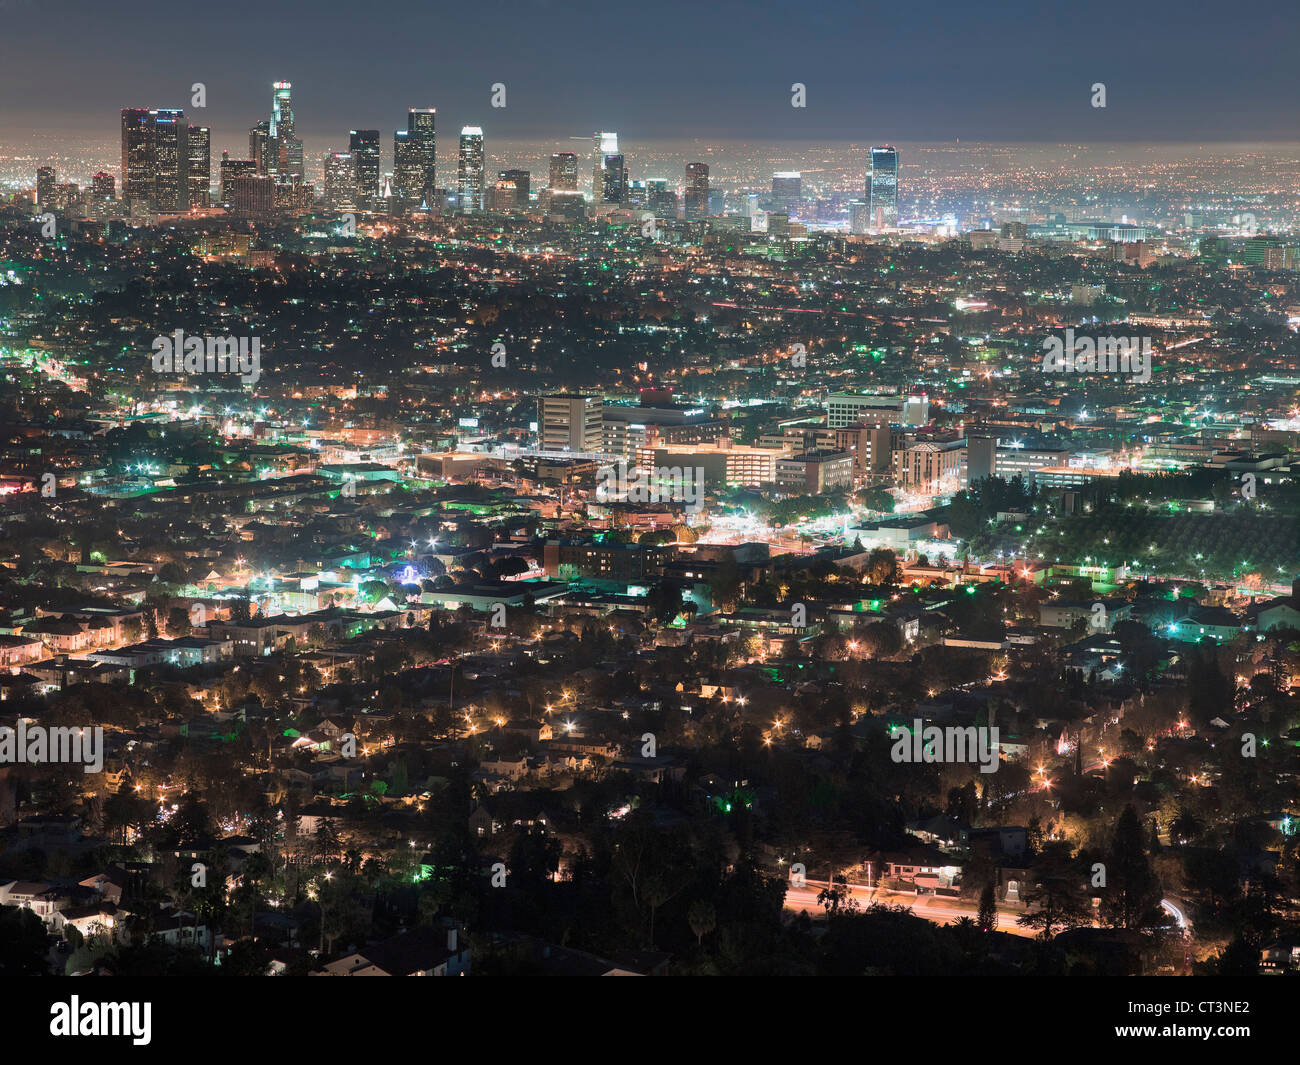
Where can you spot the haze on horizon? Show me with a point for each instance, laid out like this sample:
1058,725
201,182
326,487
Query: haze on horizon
1174,72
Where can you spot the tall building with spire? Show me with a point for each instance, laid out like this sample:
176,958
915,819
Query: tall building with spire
283,143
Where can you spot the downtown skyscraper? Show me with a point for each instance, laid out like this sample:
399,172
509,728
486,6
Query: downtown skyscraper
415,159
882,187
564,172
470,170
155,158
696,199
363,146
283,145
199,172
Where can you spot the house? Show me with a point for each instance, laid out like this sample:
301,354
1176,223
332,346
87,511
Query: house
424,951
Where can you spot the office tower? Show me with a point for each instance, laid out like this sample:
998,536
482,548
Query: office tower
859,216
696,199
660,198
170,160
283,142
137,155
882,186
522,181
614,180
102,187
259,147
567,422
229,170
363,144
469,174
45,181
200,166
408,175
787,189
564,172
421,123
603,144
251,194
340,181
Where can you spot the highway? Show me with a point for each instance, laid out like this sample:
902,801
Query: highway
941,909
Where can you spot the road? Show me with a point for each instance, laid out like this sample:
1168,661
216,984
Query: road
941,909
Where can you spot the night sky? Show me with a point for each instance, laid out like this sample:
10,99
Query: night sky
1011,71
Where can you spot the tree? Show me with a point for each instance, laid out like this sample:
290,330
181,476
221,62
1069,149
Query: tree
987,918
1132,894
703,919
1057,900
178,622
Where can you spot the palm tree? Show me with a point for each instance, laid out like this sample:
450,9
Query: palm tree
703,919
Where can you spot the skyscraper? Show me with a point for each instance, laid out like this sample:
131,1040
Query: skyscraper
171,159
882,186
787,189
660,198
45,182
363,144
408,175
603,144
522,180
102,187
696,200
564,172
340,181
421,123
199,178
137,155
260,149
284,145
469,175
229,170
614,183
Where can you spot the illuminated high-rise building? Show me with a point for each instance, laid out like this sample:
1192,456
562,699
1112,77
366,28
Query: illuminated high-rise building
283,143
102,187
787,189
882,186
564,172
45,182
229,170
522,181
259,147
363,145
171,160
696,199
661,198
340,181
199,176
614,180
603,144
469,173
421,127
408,176
137,155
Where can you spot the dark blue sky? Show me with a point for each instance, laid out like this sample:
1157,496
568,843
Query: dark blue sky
1017,70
